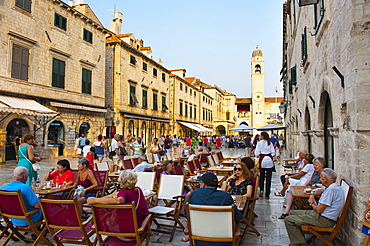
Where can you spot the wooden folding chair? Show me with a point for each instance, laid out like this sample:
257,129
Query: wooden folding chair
108,221
12,206
146,180
248,212
170,192
101,177
211,223
178,170
203,159
135,161
210,161
215,159
332,231
65,217
127,164
103,166
191,167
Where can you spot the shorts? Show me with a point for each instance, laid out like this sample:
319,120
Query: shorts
100,157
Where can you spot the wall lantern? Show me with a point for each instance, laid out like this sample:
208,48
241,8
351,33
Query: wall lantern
282,108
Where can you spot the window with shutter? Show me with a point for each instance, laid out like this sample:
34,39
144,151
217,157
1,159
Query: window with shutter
58,73
164,106
145,66
180,108
163,77
145,98
195,112
60,21
304,46
155,101
20,58
293,75
133,99
88,36
132,60
86,81
155,72
24,4
191,111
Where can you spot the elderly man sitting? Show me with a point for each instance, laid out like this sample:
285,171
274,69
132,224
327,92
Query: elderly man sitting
324,214
20,175
143,164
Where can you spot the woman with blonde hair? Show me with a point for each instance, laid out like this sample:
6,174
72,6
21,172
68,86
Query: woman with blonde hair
129,192
239,183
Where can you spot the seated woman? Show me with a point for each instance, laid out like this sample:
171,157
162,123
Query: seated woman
129,192
239,183
313,180
299,178
86,179
167,167
63,175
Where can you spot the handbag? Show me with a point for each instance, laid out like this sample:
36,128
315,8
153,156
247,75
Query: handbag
35,166
123,151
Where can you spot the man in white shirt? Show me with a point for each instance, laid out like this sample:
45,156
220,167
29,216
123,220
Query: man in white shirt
115,147
191,155
324,214
143,164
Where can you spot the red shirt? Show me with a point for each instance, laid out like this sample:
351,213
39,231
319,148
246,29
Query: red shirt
90,157
205,140
57,178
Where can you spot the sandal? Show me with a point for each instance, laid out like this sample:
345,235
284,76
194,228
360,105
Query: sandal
282,216
185,239
278,194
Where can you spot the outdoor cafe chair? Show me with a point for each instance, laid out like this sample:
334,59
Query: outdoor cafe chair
12,206
203,159
210,161
146,180
135,161
170,191
119,224
216,159
63,220
102,166
178,170
331,231
191,167
127,164
248,211
211,223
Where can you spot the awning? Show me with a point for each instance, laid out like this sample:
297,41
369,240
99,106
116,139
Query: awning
23,106
80,107
203,127
192,126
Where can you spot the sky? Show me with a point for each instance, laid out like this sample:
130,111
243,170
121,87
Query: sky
212,39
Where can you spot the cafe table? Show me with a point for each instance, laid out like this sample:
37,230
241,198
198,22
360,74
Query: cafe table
60,191
230,162
221,170
301,196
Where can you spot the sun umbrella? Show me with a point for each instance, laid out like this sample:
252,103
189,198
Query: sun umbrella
242,128
270,127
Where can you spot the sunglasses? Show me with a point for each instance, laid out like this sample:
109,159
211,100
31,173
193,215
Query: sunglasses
238,169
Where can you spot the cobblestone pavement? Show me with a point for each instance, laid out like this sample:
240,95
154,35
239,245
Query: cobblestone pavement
272,230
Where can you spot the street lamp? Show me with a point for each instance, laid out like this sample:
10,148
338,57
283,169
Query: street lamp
282,108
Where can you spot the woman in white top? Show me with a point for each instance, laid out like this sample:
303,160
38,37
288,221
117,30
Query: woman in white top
265,151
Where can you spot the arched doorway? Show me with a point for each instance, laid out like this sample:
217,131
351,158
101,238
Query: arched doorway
14,133
328,139
162,131
56,136
84,129
130,128
220,130
308,127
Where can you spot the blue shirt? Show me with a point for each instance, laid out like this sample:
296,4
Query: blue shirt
273,140
333,198
142,166
30,200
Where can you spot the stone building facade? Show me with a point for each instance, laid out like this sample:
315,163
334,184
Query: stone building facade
326,79
54,55
137,88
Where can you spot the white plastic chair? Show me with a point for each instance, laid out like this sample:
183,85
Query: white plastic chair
200,217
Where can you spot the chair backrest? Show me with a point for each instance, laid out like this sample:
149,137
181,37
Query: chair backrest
191,167
110,165
12,204
182,162
135,161
219,155
61,213
74,172
176,163
101,179
203,157
170,186
347,190
197,164
215,158
145,180
210,161
200,217
103,166
178,170
127,164
108,220
255,181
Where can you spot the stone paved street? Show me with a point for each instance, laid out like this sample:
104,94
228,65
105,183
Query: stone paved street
272,230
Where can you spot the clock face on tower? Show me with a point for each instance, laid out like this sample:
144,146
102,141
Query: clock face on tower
258,96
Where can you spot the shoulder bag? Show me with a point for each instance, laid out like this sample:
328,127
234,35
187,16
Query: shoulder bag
35,166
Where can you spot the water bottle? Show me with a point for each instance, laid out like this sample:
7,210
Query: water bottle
37,183
33,182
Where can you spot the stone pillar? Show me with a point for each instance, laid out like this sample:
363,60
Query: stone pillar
2,145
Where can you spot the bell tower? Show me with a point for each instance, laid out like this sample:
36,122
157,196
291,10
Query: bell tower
258,88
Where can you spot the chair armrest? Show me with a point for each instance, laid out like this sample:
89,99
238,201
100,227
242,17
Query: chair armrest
33,211
148,219
176,197
88,221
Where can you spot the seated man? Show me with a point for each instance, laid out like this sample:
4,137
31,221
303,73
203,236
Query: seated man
20,175
298,165
324,214
143,164
191,154
209,195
